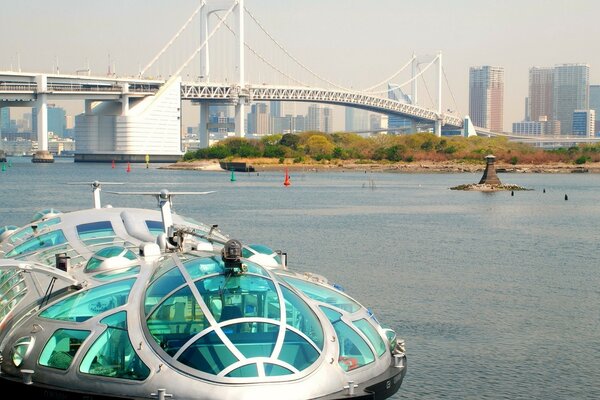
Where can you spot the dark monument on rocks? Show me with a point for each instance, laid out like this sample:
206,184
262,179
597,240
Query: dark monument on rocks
489,175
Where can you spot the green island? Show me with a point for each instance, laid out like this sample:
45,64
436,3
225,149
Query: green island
419,152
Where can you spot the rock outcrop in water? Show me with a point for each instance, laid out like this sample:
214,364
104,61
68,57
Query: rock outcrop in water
489,181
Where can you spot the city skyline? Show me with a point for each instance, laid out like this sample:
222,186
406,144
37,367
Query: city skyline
510,34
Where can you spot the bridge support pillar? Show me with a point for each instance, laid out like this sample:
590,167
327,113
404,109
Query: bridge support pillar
125,99
240,118
41,104
438,128
203,134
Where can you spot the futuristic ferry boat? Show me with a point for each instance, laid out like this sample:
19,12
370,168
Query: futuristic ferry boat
133,303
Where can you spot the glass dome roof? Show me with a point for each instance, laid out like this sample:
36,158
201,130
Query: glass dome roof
208,320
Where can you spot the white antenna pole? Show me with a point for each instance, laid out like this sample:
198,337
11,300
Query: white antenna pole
96,191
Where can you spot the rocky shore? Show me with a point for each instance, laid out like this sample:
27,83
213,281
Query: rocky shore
401,167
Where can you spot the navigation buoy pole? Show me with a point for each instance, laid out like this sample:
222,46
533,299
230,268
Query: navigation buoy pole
287,182
147,160
3,167
566,197
9,163
232,179
128,167
113,164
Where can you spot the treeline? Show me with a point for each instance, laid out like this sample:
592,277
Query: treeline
317,146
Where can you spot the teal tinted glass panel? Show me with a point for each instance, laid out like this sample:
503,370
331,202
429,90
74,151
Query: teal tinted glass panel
324,294
354,351
87,304
20,350
112,354
176,321
62,347
208,354
301,316
155,227
200,267
115,251
10,304
297,351
256,340
28,231
95,230
8,228
247,371
249,251
371,333
276,370
161,287
49,239
118,273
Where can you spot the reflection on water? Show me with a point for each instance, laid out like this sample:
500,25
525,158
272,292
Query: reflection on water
496,295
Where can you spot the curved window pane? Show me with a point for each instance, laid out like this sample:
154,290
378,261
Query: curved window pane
41,214
301,316
247,371
297,351
95,230
200,267
324,294
176,321
276,370
354,351
62,347
162,287
7,305
112,354
21,349
371,333
28,231
49,239
253,340
155,227
208,354
243,296
85,305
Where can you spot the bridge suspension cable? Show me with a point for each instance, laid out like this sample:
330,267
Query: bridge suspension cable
421,72
286,52
215,29
393,76
170,42
450,90
260,57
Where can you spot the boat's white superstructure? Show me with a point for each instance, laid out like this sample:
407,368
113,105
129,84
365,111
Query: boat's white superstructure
138,303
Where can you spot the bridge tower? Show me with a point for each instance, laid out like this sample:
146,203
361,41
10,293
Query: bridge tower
209,8
41,106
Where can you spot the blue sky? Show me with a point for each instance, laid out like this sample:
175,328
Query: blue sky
354,43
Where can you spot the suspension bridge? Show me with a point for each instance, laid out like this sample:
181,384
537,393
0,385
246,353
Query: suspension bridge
127,118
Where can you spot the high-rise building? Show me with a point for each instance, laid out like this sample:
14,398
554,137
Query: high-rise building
4,119
259,121
327,120
571,92
57,120
356,120
275,109
595,104
541,94
584,122
486,97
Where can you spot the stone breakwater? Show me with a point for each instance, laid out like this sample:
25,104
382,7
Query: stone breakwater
477,187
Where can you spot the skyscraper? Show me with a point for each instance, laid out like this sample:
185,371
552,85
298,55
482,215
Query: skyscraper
356,120
595,103
584,122
541,93
4,119
486,97
571,92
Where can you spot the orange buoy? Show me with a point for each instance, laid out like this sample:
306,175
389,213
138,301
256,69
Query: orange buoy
287,182
113,164
128,167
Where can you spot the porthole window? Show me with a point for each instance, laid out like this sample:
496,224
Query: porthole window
21,350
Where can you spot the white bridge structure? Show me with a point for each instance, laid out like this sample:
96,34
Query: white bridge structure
126,119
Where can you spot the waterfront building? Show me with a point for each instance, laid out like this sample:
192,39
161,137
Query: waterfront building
327,120
595,104
584,122
319,119
541,94
486,97
4,119
275,109
259,121
57,120
529,128
397,123
571,92
356,120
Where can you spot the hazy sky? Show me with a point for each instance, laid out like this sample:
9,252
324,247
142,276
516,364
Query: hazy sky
353,43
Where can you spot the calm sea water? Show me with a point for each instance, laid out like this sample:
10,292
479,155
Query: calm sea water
497,296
